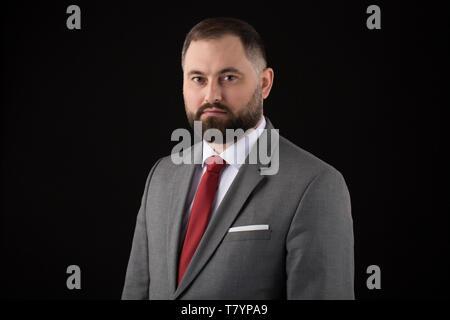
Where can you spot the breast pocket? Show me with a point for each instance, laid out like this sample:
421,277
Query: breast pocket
248,235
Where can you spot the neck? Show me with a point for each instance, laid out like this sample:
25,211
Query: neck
219,147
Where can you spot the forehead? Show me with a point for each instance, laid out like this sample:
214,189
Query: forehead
210,55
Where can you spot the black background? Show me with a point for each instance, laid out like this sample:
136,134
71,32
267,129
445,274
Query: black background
86,113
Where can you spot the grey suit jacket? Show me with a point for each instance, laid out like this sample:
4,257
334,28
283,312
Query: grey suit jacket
306,253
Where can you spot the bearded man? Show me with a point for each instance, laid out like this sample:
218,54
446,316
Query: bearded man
222,228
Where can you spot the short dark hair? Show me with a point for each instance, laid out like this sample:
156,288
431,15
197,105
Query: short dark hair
215,28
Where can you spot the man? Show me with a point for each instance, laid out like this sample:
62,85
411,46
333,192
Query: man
222,229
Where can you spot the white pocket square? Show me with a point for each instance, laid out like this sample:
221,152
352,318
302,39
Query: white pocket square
252,227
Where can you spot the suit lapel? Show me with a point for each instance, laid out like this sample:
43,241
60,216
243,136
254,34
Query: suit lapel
244,183
183,177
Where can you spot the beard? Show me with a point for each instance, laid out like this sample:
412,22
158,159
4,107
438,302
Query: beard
245,119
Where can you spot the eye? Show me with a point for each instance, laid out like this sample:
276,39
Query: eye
197,79
229,77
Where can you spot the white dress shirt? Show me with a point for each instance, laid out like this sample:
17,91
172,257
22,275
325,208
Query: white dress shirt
235,156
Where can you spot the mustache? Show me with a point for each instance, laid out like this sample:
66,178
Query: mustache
216,105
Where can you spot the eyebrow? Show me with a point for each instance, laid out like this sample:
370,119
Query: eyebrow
225,70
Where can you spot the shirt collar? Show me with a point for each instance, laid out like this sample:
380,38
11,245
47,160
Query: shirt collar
236,154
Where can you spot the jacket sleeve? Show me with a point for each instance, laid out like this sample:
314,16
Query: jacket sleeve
319,244
137,279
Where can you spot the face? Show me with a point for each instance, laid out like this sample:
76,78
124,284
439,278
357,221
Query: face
221,86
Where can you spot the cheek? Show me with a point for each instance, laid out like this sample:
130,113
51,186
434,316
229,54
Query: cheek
192,99
237,98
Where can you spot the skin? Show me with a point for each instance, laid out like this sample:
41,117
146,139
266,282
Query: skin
219,70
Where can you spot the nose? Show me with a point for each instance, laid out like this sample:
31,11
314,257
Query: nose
213,93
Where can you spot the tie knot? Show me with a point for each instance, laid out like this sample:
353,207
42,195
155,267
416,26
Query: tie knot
215,164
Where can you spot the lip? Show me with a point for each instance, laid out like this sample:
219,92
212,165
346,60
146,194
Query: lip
214,112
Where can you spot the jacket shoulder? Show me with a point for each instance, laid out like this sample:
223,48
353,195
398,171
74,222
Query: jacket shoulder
297,161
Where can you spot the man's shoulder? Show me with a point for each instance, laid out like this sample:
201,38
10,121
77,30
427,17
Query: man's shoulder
296,160
178,160
166,163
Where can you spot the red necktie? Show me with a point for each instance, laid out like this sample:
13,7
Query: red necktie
200,212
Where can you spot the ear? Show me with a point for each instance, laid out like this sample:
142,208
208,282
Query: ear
266,81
